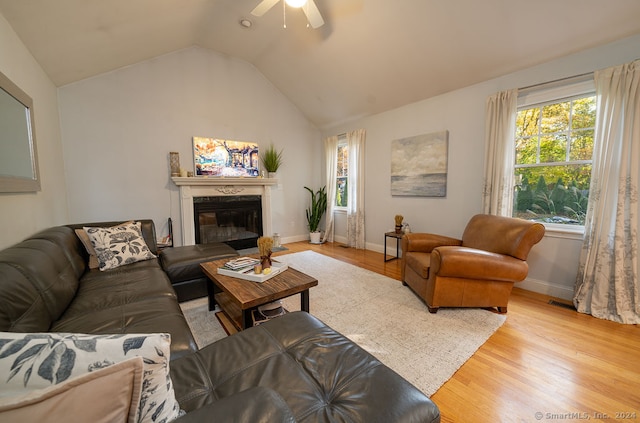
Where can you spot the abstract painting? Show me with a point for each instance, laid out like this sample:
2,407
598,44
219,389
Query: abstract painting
419,165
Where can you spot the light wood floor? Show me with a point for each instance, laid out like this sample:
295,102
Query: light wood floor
546,363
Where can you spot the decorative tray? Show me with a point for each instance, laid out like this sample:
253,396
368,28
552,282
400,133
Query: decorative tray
250,275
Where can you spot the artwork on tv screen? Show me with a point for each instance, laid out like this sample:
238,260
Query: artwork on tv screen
218,157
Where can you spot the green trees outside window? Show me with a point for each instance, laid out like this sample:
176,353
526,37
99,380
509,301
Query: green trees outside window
342,176
554,147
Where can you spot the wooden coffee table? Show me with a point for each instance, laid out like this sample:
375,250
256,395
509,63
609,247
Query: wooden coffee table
240,297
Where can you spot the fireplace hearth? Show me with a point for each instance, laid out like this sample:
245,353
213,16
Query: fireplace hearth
235,220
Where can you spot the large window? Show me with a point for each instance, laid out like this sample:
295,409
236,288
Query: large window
342,174
553,151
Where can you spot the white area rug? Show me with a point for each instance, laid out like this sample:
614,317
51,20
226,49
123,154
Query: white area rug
388,320
204,324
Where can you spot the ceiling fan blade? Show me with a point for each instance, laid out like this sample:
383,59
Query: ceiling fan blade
313,14
263,7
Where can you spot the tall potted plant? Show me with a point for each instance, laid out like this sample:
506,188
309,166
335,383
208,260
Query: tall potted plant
271,160
315,212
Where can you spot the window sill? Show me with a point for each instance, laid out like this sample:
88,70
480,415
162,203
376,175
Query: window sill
564,231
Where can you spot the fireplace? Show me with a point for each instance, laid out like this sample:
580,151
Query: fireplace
235,220
195,187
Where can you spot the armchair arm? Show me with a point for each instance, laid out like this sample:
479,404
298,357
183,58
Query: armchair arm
425,242
469,263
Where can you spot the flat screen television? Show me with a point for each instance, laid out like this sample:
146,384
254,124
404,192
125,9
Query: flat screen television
220,157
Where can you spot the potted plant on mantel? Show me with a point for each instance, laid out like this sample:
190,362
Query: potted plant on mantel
271,160
315,212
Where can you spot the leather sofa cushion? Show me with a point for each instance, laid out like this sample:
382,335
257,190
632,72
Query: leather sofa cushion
136,298
322,375
41,277
253,405
69,244
22,308
183,263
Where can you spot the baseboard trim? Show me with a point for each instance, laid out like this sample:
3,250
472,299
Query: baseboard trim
296,238
547,288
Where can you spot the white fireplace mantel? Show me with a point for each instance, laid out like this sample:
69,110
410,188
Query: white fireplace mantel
220,186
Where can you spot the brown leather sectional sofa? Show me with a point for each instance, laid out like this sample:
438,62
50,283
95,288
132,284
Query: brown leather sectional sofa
293,368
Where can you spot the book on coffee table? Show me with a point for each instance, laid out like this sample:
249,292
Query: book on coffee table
248,274
241,263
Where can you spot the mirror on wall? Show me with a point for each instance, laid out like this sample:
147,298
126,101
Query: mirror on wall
18,159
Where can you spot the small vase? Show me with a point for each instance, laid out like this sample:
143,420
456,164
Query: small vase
266,261
174,163
398,229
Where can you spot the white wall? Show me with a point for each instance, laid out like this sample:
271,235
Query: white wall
553,262
26,213
118,129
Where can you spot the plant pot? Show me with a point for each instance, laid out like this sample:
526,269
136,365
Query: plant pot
315,237
272,175
399,229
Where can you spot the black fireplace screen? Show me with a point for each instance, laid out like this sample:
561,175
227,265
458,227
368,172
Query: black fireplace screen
234,220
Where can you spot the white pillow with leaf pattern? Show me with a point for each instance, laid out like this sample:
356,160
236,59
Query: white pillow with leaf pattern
30,361
119,245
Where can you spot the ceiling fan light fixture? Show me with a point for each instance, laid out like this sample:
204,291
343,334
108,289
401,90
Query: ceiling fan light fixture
296,3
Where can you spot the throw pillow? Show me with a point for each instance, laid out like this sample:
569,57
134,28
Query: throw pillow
84,238
106,395
38,360
119,245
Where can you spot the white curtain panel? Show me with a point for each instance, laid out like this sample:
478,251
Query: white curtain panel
497,194
355,187
331,160
607,284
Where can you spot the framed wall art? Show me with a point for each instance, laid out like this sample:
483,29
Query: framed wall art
419,165
220,157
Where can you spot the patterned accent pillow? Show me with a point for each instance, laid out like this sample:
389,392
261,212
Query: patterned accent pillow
84,238
119,245
31,361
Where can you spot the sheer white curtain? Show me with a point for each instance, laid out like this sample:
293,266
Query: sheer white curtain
355,187
331,160
607,284
497,194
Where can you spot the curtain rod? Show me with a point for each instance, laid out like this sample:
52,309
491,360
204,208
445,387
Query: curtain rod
582,75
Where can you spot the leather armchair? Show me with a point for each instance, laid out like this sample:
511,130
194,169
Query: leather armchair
478,270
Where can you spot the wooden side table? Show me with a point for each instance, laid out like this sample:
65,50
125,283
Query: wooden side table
398,237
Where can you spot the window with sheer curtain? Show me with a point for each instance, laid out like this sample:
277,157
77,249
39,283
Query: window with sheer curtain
345,184
539,152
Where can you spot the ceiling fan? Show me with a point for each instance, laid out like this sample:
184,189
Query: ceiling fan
308,6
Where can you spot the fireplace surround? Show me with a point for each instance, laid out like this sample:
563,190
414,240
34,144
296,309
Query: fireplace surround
196,187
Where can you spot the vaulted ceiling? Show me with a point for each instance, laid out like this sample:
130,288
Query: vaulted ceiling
370,56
